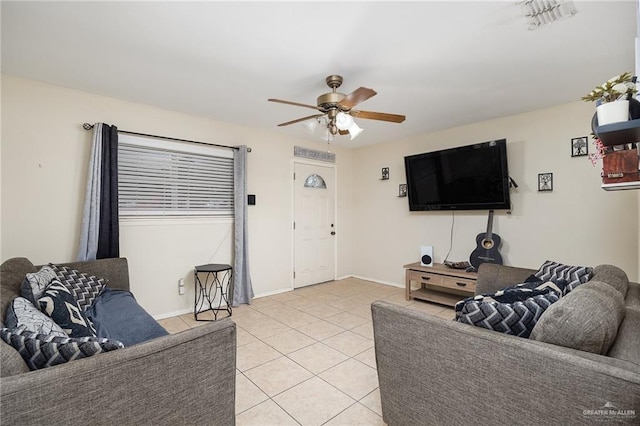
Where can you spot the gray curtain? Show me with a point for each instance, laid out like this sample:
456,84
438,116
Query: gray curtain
242,288
91,213
99,235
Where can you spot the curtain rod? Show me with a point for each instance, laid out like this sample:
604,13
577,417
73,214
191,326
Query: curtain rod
88,126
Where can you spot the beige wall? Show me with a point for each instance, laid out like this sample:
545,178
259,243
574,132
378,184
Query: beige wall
45,153
577,223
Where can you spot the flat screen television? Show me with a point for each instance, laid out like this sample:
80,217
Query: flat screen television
472,177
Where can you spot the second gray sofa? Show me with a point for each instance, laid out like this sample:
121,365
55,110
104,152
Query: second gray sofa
438,372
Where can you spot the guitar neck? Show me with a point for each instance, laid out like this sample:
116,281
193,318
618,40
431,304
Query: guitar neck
490,225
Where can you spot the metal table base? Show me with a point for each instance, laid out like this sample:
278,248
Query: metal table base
215,287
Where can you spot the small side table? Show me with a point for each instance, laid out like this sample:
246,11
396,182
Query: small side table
217,278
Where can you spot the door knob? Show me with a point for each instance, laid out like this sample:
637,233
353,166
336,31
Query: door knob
333,232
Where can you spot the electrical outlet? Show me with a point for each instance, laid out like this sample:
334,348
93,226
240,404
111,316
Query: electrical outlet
181,289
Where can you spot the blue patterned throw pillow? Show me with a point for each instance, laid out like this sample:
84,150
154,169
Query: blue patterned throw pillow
41,351
84,287
58,302
572,275
513,310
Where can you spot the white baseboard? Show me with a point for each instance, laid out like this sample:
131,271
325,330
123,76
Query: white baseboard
172,314
271,293
389,283
180,312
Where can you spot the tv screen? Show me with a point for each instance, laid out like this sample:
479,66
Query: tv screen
473,177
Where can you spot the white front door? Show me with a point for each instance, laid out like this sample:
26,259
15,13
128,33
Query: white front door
314,224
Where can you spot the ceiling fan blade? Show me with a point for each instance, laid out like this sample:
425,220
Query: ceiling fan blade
361,94
383,116
292,103
343,132
300,119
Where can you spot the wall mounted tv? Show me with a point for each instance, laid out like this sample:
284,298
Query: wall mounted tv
473,177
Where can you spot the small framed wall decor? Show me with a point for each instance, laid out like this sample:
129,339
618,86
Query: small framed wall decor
545,182
402,190
385,173
579,147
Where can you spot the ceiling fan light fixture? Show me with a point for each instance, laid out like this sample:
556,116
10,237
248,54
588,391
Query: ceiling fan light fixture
344,121
311,125
355,130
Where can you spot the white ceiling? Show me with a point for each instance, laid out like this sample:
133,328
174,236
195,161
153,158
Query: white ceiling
442,64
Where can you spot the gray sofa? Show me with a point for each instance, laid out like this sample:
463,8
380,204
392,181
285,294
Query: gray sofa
183,379
434,371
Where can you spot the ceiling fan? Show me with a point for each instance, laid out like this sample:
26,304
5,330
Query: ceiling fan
336,108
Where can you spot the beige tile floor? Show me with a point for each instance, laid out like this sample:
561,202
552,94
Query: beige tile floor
306,357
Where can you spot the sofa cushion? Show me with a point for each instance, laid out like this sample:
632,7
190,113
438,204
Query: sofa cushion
22,312
35,283
117,315
20,265
513,310
58,302
493,277
85,287
573,275
613,276
587,319
11,361
632,300
627,344
40,351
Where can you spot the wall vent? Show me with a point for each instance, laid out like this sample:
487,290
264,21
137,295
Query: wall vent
312,154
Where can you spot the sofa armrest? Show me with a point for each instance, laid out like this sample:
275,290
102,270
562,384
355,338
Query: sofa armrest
185,378
434,371
492,277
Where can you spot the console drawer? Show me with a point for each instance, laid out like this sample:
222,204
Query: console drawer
459,284
427,278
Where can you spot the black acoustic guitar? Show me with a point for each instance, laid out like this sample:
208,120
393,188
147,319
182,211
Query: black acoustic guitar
488,245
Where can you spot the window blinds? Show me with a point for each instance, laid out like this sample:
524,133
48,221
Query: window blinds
159,181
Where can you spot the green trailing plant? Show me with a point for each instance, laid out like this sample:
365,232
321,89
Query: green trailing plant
618,88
